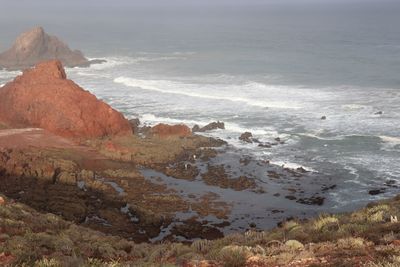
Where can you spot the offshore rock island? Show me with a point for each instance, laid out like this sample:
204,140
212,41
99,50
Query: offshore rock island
35,46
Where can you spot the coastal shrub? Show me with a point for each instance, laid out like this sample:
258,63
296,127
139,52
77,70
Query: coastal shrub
326,223
140,250
22,249
201,245
191,256
351,243
236,238
377,213
393,261
233,256
255,237
47,263
176,250
294,245
352,229
5,212
64,245
158,254
90,262
388,238
104,250
256,250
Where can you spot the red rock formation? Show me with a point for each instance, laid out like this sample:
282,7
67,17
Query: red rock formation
35,46
42,97
165,130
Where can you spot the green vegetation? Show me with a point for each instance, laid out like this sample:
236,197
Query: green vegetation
368,237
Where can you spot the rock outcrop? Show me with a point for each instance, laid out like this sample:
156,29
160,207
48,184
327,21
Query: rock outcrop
43,97
246,137
165,130
35,46
209,127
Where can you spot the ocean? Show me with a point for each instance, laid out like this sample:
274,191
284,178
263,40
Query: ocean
274,69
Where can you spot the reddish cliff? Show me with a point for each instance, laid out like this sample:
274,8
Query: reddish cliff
43,97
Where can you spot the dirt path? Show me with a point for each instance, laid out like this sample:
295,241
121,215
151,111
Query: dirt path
19,138
39,138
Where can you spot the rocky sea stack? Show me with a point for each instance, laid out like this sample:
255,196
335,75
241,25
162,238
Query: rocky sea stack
35,46
43,97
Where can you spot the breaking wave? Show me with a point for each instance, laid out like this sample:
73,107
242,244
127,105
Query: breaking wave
224,92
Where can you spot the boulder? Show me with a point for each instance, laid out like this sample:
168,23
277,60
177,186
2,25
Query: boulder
211,126
165,130
35,46
134,124
43,97
246,137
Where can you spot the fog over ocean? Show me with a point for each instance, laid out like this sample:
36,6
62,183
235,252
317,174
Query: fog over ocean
270,68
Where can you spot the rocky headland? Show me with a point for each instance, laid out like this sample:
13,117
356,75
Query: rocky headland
102,189
36,45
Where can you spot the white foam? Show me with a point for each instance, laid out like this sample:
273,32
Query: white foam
291,165
4,74
152,119
353,107
229,126
389,142
390,139
208,91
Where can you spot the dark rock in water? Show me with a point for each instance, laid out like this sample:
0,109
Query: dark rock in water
314,200
266,145
379,113
374,192
35,46
245,161
323,118
252,225
391,183
290,197
211,126
302,170
196,128
246,137
135,125
273,174
326,188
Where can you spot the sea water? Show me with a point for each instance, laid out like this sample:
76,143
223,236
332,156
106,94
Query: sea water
273,69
